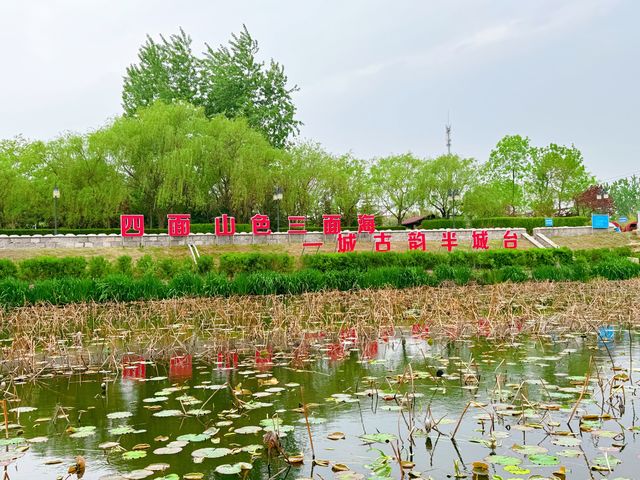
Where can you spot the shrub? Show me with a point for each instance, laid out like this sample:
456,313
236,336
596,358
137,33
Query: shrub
7,268
40,268
145,265
98,267
617,269
123,265
236,263
168,268
205,264
13,292
512,274
185,284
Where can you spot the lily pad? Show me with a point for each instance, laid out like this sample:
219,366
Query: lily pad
543,459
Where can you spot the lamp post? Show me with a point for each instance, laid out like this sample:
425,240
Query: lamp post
56,196
277,197
453,195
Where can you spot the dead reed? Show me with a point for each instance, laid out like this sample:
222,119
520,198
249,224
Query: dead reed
209,325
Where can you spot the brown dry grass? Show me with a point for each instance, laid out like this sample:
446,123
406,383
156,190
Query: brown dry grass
599,240
44,337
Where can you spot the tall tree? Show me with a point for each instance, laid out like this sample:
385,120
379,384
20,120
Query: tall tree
166,70
510,161
175,158
346,185
393,180
227,80
626,195
556,177
444,176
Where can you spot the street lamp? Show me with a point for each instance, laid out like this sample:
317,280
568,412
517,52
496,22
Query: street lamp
277,197
453,195
56,196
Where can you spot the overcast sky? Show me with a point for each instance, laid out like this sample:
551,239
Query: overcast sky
375,77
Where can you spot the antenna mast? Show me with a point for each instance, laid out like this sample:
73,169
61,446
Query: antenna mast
447,129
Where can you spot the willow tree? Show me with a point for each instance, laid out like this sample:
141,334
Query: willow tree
393,181
175,160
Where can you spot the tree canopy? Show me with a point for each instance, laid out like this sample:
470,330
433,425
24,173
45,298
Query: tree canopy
228,80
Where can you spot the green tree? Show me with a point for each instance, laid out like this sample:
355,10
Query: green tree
228,80
301,174
626,195
443,176
92,190
510,161
393,180
556,177
492,199
346,184
166,70
176,159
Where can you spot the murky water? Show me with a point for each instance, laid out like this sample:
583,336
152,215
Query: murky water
521,398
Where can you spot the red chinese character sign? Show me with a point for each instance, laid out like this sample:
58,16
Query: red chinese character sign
260,225
480,240
366,223
449,240
346,242
179,224
297,225
417,241
131,225
383,242
331,224
225,226
510,239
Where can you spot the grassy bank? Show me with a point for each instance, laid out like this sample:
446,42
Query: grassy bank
74,280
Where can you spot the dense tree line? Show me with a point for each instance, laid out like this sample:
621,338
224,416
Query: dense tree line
170,158
216,134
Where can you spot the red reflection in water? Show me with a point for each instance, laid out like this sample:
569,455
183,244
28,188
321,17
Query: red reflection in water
313,335
484,327
227,360
370,350
133,367
348,333
387,332
264,358
180,366
336,351
419,330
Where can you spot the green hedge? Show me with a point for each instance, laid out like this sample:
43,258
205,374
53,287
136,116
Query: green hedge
231,265
234,263
123,288
504,222
489,259
195,228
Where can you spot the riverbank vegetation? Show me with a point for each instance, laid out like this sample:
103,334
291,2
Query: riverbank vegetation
59,281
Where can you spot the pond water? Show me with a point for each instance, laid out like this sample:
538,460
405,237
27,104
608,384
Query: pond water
363,398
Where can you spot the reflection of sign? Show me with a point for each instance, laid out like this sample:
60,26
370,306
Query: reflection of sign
180,366
133,367
548,222
623,219
599,221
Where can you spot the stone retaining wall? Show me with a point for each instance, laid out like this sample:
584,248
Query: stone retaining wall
566,231
163,240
